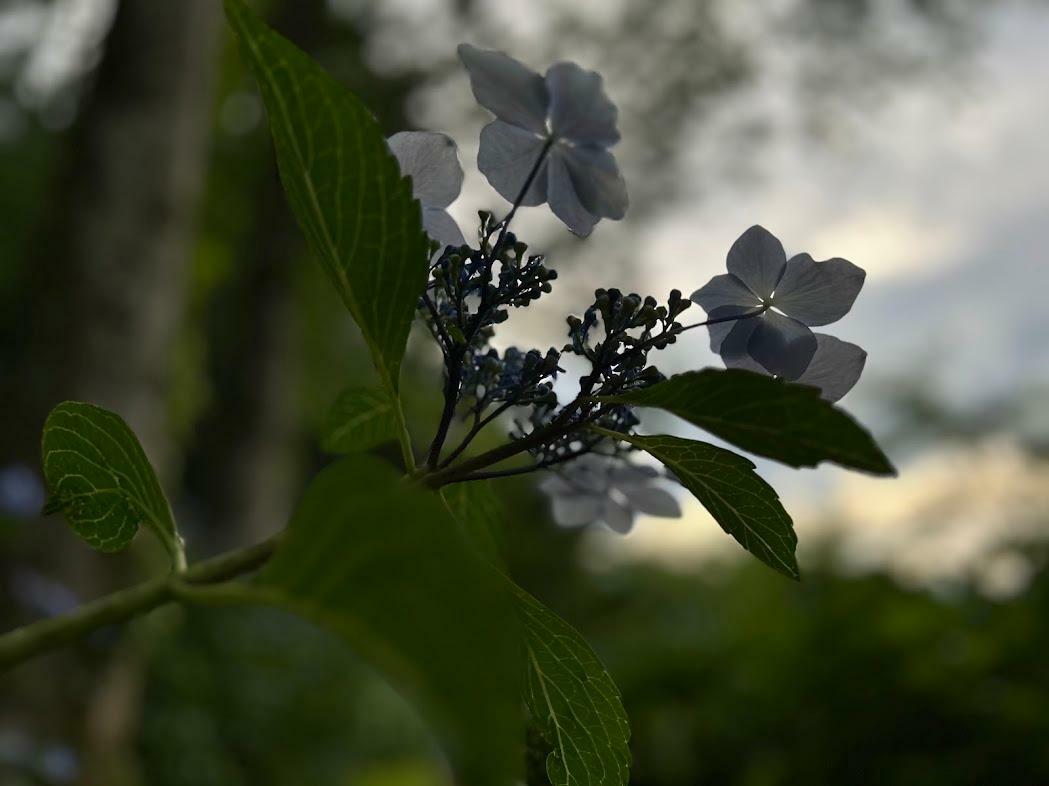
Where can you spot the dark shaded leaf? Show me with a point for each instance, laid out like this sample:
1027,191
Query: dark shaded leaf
572,700
360,418
745,506
345,188
769,417
99,476
382,563
478,511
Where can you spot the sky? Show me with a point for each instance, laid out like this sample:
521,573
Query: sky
933,177
938,186
946,209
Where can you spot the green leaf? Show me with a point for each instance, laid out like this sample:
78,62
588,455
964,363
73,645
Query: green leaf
478,511
745,506
360,418
570,696
783,421
345,188
99,476
382,564
573,701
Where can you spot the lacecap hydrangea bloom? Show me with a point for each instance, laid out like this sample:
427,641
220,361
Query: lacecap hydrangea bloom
550,138
431,160
761,314
594,488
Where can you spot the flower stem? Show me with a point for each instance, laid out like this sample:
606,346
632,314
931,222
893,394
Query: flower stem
454,357
477,428
506,473
757,312
520,198
553,430
35,638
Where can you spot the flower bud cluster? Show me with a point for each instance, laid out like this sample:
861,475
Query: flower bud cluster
471,290
519,378
630,326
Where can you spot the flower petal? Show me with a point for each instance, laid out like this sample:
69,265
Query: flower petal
564,200
735,340
818,293
725,290
579,109
744,362
507,156
432,162
652,501
442,227
509,89
782,345
622,475
617,518
720,331
576,510
597,180
757,259
835,367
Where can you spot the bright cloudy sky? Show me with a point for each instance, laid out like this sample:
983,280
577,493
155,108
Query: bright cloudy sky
938,185
939,188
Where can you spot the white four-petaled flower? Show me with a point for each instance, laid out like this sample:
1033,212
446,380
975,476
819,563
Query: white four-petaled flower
777,301
594,488
564,122
430,159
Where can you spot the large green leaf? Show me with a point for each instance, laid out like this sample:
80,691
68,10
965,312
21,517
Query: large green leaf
478,511
745,506
345,188
572,700
99,477
360,418
382,563
770,417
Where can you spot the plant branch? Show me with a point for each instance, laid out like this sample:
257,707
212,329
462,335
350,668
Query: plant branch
454,366
446,340
554,429
520,198
478,426
506,473
454,356
35,638
718,320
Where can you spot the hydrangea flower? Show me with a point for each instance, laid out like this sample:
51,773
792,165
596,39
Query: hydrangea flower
431,160
776,301
564,121
593,488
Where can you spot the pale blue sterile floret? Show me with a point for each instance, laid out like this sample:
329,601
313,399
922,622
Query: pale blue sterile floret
596,488
567,115
431,160
792,296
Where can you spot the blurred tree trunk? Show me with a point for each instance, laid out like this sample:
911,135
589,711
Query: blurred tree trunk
251,440
133,193
117,264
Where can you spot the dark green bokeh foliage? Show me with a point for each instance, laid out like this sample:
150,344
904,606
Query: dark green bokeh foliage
730,677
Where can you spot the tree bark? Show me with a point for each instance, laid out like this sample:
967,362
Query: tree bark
135,187
115,260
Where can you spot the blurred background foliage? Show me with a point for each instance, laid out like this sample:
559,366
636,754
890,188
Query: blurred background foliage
148,263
